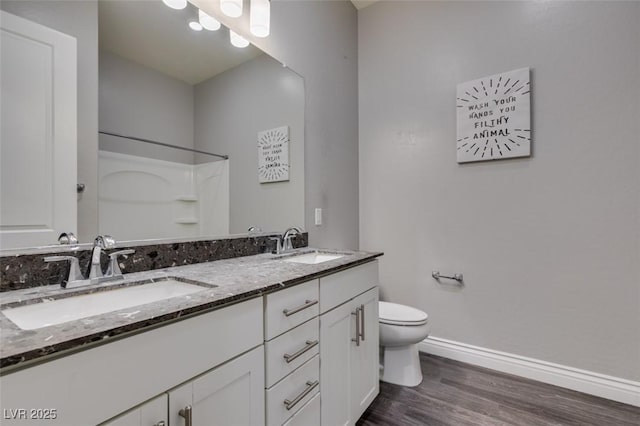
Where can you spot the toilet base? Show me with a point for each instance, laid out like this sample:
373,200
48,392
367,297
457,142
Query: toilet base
401,366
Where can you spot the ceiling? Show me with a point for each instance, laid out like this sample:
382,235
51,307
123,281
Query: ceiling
361,4
153,35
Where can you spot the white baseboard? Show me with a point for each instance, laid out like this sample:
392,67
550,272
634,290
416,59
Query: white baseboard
588,382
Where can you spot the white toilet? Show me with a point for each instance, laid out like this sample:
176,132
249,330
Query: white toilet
401,329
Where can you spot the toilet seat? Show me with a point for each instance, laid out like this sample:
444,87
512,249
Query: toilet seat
395,314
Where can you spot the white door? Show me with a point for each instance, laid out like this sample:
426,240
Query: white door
152,413
337,328
38,159
365,368
232,394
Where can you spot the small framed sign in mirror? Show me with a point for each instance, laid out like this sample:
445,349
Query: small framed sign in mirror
273,155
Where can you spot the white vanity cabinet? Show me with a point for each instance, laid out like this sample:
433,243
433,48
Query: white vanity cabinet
152,413
365,360
305,355
309,415
232,394
292,347
93,386
349,339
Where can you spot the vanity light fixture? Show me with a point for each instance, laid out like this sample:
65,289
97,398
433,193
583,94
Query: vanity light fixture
231,8
175,4
208,22
260,17
195,26
237,40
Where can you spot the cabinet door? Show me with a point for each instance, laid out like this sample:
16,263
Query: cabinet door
232,394
152,413
337,328
365,369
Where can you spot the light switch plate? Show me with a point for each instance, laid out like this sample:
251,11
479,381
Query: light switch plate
318,217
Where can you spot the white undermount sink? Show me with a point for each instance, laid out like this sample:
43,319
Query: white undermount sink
58,311
313,258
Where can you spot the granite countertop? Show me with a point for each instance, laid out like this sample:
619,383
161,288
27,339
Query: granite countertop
235,279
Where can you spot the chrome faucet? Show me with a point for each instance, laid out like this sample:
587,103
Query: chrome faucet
95,267
95,274
287,236
283,243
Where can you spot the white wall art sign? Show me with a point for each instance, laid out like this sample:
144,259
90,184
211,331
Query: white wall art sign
273,155
494,117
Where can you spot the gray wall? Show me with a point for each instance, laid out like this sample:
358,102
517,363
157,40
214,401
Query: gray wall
231,108
80,20
318,39
138,101
549,245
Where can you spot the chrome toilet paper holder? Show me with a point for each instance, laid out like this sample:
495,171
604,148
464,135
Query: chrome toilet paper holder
437,275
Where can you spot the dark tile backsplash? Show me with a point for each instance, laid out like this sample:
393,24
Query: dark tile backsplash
30,270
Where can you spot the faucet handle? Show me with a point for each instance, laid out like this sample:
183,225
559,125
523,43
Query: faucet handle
278,244
286,242
74,272
114,268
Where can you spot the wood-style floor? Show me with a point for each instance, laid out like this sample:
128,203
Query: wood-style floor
458,394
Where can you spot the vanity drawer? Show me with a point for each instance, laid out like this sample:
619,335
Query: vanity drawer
288,308
338,288
309,415
296,389
300,344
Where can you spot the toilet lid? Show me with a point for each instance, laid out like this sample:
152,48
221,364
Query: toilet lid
393,313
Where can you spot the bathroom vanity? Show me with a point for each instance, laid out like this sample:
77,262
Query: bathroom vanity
268,340
234,338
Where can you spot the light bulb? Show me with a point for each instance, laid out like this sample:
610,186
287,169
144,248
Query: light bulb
237,40
208,22
260,17
175,4
231,8
195,26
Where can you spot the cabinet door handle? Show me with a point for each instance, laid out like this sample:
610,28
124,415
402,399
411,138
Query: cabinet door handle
160,423
186,412
362,322
357,314
310,386
308,345
307,304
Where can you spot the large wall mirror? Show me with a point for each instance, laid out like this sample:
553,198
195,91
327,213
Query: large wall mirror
180,112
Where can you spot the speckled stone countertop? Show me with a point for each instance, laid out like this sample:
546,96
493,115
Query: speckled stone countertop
235,279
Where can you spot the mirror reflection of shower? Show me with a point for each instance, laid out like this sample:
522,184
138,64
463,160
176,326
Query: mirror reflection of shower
179,115
142,197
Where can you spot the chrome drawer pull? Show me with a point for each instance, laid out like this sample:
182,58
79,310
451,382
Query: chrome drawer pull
357,314
309,344
362,323
187,414
160,423
310,386
307,304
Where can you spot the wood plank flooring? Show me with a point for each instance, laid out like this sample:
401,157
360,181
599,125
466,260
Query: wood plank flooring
458,394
